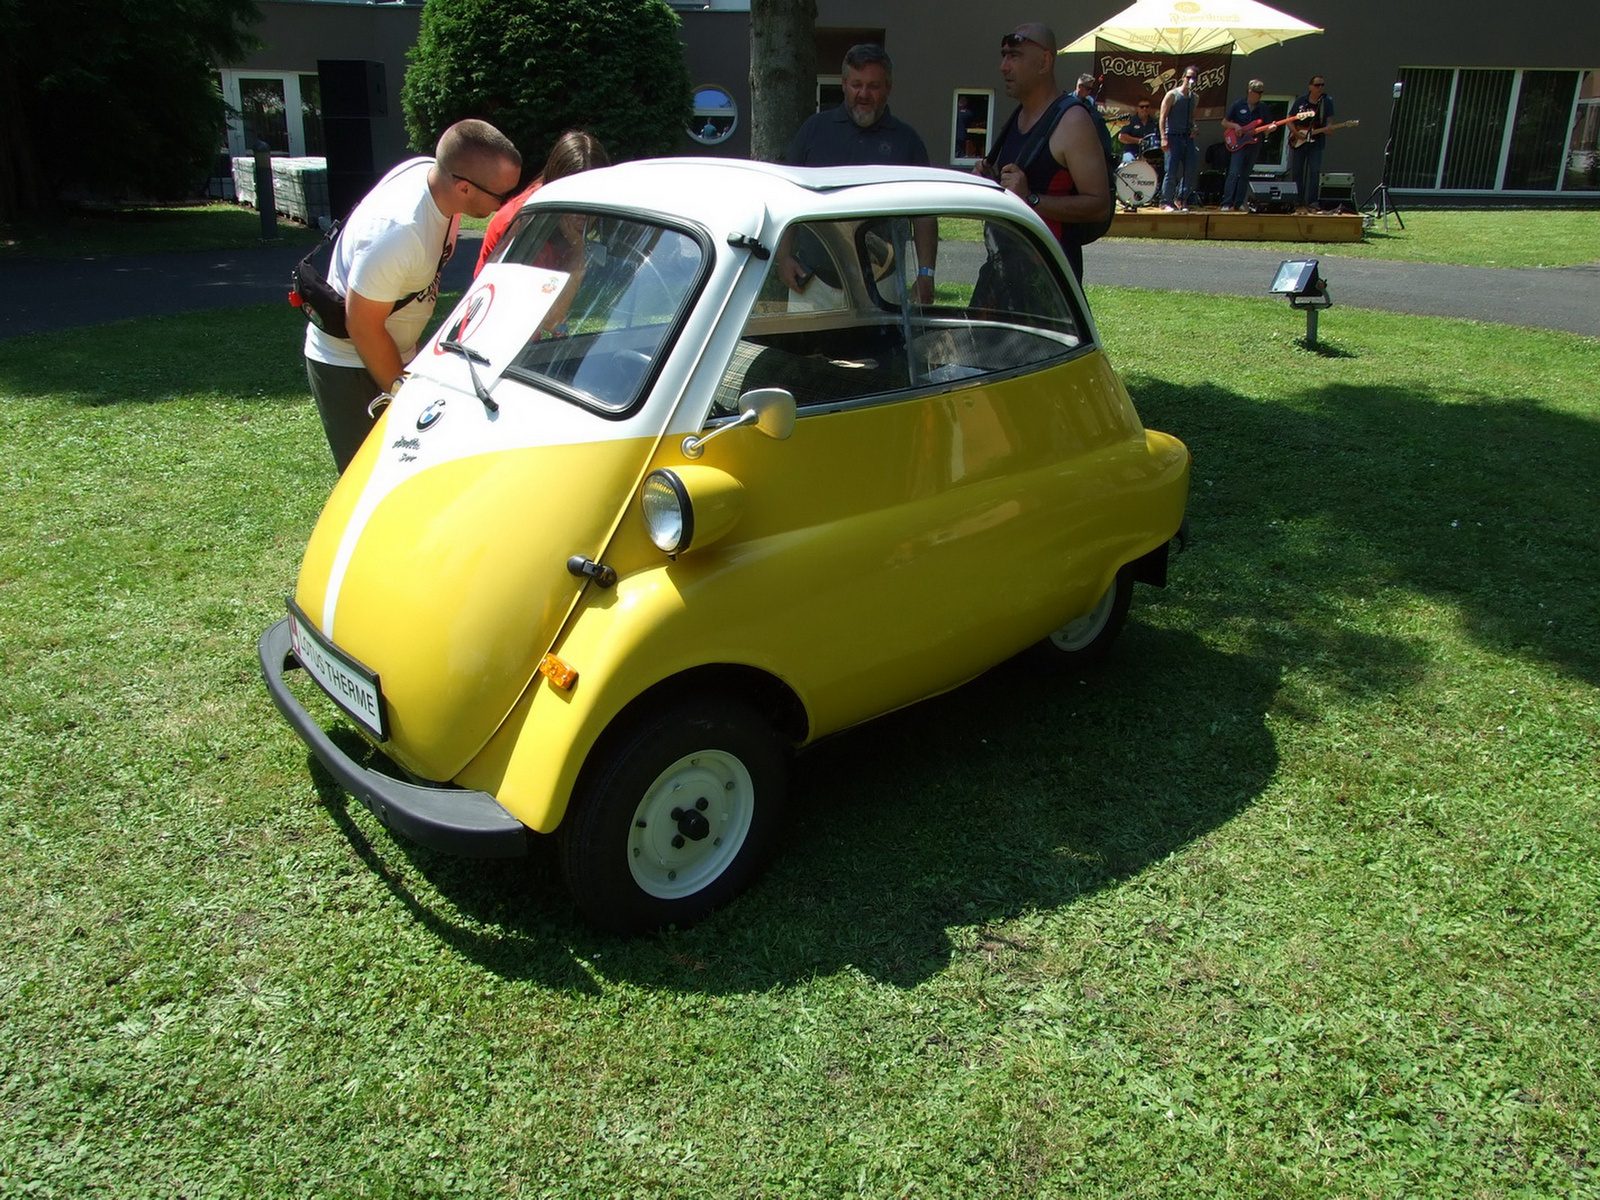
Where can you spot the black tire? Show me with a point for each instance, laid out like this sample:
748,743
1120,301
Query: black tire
675,814
1085,640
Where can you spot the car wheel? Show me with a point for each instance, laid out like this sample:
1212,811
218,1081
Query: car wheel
675,815
1086,639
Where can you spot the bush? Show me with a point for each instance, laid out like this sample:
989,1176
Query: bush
536,68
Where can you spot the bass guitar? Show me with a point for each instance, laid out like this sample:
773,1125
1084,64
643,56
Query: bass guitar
1299,137
1249,135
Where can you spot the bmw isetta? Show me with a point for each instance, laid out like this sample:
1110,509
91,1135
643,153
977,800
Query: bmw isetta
652,511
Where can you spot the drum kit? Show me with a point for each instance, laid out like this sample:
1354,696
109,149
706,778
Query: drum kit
1139,181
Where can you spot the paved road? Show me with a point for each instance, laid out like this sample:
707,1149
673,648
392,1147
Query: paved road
37,296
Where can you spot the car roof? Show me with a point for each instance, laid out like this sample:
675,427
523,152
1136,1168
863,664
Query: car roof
734,191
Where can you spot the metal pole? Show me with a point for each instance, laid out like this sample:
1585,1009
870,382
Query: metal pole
266,202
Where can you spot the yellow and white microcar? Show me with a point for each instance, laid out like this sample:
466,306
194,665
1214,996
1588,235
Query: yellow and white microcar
714,459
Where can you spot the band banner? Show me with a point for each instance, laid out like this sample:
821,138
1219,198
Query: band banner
1127,76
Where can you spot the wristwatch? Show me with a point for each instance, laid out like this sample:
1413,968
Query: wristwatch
1033,199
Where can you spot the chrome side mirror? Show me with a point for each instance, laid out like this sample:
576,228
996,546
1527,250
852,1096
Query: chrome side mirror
770,410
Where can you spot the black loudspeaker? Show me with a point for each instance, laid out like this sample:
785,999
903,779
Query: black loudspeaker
1271,196
352,87
353,94
1336,188
1208,187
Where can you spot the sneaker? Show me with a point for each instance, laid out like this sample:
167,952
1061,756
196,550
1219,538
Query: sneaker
1227,208
1168,208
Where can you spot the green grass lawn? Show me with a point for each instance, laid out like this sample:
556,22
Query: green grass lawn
1294,897
1501,238
144,230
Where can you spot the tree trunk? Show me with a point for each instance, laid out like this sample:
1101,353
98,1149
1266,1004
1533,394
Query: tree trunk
783,72
19,176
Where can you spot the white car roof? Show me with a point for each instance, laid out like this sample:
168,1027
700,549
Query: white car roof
733,191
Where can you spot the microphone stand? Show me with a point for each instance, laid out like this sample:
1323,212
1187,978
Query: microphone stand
1379,201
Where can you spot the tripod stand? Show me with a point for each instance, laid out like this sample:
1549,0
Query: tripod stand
1379,203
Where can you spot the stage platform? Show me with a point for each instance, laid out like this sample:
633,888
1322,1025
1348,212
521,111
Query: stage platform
1210,224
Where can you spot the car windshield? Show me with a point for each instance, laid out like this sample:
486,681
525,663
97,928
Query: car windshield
591,302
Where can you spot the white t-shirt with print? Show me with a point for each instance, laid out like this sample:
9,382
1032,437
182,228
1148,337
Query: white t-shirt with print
392,245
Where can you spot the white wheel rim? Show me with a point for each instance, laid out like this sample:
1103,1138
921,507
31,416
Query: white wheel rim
691,824
1075,635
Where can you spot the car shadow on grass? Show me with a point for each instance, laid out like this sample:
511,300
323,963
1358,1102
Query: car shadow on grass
1018,792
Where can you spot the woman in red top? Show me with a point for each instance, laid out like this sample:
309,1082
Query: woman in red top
574,151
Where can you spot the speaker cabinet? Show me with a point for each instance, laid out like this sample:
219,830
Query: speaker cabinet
1336,188
1271,196
353,96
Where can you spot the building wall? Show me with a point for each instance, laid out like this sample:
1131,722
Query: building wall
294,34
941,45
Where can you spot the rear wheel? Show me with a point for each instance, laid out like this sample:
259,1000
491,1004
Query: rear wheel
1086,639
674,815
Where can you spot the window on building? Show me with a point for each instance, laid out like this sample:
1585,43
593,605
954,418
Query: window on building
1494,130
281,108
311,114
715,115
263,113
972,120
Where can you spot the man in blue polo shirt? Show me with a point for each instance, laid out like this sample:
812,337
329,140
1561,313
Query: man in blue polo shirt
861,132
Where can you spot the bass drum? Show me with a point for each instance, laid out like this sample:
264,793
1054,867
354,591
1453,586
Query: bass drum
1136,185
1150,149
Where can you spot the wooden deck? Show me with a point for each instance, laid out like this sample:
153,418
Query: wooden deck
1209,224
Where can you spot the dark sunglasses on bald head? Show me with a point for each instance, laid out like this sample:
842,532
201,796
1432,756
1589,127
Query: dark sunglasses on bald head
499,197
1014,41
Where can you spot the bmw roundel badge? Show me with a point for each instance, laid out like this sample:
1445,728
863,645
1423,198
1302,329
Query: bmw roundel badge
430,415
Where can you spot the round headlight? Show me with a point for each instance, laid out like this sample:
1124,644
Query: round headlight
668,515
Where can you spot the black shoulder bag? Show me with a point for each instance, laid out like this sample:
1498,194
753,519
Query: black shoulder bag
1078,233
323,305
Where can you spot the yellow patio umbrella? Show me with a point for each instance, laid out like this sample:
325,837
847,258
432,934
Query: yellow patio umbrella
1191,26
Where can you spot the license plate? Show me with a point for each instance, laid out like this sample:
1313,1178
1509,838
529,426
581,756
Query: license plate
349,684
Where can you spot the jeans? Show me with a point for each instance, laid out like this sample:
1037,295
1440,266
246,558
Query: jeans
1236,190
1305,168
1183,159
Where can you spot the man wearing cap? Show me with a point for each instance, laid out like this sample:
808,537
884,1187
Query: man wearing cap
1236,189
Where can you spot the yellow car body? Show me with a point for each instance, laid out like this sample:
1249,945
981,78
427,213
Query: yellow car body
490,573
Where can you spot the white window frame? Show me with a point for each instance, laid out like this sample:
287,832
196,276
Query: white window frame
989,127
291,100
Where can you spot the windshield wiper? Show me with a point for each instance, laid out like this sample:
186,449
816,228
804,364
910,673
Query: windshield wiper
473,356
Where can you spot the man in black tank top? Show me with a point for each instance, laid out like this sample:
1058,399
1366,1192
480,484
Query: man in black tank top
1177,139
1068,182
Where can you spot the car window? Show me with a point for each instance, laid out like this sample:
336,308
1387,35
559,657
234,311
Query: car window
618,289
868,326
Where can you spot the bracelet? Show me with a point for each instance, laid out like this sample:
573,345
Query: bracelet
925,272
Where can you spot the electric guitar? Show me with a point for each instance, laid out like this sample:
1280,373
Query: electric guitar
1249,135
1300,137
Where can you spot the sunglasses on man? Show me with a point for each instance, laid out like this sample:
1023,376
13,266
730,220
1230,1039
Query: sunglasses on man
498,197
1013,41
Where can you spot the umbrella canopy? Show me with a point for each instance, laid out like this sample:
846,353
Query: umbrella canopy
1189,26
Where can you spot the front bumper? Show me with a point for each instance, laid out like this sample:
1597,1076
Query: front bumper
448,819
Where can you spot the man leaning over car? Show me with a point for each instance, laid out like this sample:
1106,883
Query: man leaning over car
387,263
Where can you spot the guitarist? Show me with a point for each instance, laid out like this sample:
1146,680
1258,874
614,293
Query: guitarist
1246,112
1305,151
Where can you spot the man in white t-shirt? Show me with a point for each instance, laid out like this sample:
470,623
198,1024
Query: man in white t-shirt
387,263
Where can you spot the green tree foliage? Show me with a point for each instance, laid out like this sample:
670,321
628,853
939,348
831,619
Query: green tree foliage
535,68
112,98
